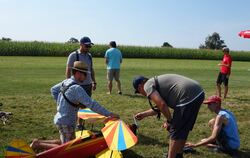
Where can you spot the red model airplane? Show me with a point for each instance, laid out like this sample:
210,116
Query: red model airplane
116,136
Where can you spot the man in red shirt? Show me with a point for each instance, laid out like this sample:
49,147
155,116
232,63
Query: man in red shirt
225,71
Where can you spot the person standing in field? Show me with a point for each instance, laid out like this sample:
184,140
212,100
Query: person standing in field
225,71
224,129
82,54
180,93
113,59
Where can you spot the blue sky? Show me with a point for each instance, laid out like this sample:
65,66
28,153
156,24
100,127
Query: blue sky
182,23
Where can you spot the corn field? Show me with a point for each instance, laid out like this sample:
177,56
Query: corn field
64,49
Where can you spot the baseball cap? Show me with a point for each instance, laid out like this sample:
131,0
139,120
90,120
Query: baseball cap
225,49
136,81
212,99
86,41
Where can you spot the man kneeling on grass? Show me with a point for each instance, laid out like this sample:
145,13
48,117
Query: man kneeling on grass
224,136
70,96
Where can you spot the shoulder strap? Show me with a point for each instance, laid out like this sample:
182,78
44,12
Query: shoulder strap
155,108
64,89
90,58
77,56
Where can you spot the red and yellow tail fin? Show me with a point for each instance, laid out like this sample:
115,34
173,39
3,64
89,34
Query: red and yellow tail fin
19,149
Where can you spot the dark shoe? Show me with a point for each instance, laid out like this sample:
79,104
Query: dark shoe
188,150
120,93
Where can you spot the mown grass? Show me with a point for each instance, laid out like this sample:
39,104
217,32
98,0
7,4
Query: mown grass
25,91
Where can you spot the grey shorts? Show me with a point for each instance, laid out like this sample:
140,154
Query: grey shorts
113,73
67,133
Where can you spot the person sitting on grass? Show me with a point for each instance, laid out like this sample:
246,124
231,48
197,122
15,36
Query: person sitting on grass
225,135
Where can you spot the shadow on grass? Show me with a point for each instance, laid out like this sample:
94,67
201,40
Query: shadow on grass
243,153
134,96
130,154
195,154
245,99
150,141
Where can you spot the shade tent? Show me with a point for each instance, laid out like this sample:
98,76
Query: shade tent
245,34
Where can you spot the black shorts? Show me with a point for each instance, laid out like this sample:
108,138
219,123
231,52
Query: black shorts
222,78
184,118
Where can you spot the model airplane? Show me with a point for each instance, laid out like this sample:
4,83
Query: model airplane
115,137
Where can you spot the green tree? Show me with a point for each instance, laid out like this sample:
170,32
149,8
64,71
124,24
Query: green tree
213,42
166,44
73,40
6,39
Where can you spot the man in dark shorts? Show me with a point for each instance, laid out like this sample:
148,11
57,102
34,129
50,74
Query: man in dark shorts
225,71
180,93
224,135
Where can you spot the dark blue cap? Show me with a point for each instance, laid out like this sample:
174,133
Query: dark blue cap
138,80
112,44
86,41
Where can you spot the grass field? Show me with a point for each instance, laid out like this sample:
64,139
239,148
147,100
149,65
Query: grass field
25,91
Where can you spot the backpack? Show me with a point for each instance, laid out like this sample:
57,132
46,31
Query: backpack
89,56
63,89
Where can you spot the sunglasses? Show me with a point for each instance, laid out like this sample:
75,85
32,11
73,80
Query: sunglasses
88,46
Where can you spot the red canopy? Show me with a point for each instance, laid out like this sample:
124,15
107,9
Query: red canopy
245,34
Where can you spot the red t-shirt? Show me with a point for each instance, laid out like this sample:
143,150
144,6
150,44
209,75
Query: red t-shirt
227,59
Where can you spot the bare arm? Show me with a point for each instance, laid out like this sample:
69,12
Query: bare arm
68,72
93,75
216,130
141,115
93,79
227,65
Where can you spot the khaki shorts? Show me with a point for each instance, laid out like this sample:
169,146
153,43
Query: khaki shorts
113,73
67,133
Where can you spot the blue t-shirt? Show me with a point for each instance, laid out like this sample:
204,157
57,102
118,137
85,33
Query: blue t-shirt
66,113
230,129
114,57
